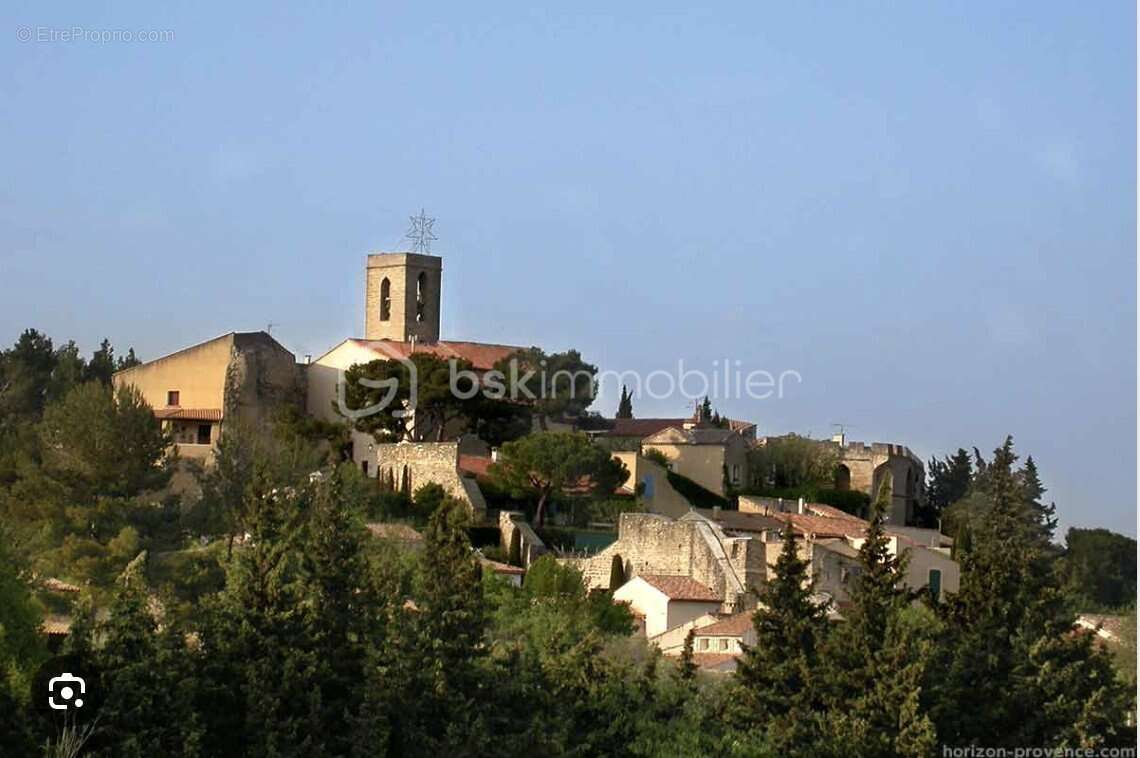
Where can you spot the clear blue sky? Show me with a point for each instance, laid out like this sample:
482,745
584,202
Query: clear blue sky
926,209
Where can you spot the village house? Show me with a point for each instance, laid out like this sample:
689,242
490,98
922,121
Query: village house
199,390
666,601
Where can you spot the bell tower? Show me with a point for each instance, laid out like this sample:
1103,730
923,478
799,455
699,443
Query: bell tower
402,297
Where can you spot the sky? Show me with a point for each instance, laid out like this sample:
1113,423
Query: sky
925,210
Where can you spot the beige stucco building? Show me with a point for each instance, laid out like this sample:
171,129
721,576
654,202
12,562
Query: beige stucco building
198,390
665,602
711,457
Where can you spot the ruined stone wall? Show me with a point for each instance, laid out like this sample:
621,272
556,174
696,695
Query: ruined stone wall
424,462
531,545
653,544
261,377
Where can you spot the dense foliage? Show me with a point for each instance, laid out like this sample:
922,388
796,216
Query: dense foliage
259,617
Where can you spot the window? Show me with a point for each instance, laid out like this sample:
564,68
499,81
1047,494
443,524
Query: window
421,296
724,644
172,397
704,643
203,434
736,473
364,467
385,299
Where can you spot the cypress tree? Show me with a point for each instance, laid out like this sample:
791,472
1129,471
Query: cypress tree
617,572
686,666
774,677
625,404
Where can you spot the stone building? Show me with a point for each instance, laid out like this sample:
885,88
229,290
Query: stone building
199,390
410,465
402,318
862,467
692,546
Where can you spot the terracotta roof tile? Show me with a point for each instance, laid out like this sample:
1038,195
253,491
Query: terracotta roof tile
502,568
189,414
729,626
642,427
475,464
712,660
482,355
681,588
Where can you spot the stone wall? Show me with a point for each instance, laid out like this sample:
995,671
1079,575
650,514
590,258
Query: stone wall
692,546
868,464
424,462
531,545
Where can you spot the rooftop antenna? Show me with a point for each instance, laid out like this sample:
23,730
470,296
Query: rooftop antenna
420,233
842,433
269,327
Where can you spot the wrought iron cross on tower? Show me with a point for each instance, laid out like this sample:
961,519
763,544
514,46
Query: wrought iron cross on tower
419,234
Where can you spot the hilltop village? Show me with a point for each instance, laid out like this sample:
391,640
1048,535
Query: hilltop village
417,546
690,546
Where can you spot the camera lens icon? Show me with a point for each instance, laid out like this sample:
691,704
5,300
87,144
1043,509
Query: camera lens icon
64,691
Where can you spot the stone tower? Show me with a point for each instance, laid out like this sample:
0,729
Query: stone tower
402,297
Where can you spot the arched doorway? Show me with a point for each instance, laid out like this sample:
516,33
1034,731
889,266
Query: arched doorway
842,478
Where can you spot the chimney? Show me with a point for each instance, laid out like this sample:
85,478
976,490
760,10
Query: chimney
494,454
800,506
716,513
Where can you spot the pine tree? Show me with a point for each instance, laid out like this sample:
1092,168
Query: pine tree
1012,644
1032,492
625,404
147,673
774,677
876,662
102,364
445,649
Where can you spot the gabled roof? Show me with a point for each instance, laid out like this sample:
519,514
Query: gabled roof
646,427
642,427
240,338
482,355
680,588
730,626
501,568
675,435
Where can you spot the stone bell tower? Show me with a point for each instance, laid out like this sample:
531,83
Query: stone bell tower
402,297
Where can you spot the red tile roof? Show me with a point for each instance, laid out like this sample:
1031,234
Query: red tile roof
643,427
502,568
482,355
189,414
474,464
713,660
819,509
821,526
730,626
681,588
